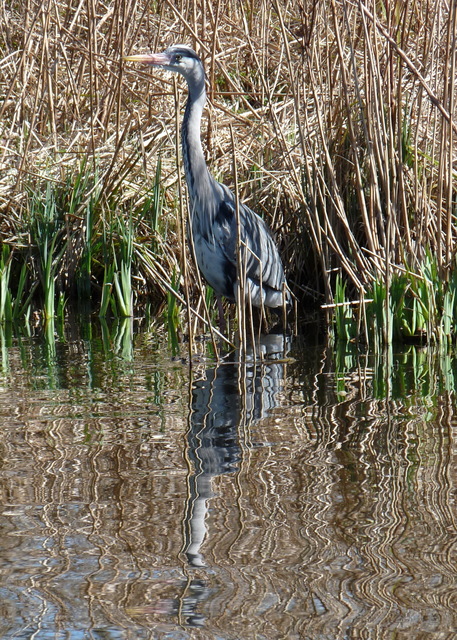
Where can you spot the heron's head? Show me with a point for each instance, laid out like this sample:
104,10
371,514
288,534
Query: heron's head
178,58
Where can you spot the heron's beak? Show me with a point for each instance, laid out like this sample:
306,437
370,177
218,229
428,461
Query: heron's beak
155,59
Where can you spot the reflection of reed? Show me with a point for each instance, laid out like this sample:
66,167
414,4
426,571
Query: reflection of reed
389,532
81,473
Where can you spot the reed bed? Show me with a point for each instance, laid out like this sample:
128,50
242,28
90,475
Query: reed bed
338,115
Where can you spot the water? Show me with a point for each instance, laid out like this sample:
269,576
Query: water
311,496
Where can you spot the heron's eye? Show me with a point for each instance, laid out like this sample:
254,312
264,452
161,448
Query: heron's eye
178,57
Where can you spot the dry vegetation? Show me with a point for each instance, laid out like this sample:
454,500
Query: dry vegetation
344,124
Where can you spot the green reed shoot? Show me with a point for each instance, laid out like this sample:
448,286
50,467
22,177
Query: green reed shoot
107,301
123,288
83,281
172,314
47,229
13,303
123,273
421,306
345,324
155,204
60,311
376,311
6,305
447,322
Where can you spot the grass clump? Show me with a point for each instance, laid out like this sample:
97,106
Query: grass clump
418,307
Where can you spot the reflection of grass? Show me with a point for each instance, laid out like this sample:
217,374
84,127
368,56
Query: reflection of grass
117,338
405,374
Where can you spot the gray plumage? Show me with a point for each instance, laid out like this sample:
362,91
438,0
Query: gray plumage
213,205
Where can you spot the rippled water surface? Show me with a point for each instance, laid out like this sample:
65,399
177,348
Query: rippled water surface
311,496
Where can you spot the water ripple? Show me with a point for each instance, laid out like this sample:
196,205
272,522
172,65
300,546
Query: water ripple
296,498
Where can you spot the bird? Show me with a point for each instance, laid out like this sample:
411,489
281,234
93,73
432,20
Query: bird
213,206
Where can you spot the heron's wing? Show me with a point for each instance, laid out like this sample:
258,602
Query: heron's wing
263,262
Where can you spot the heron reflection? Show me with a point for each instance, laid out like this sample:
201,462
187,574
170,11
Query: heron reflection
231,396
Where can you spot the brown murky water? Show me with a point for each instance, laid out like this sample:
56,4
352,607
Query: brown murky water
306,498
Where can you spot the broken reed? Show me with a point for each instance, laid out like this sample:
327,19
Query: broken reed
343,115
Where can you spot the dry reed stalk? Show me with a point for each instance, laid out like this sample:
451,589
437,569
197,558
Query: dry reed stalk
449,99
241,258
182,219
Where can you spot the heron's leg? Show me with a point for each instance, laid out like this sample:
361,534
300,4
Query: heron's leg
220,308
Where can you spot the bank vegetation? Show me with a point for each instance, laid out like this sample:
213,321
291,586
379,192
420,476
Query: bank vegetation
344,129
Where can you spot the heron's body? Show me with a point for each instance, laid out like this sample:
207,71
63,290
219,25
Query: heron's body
213,206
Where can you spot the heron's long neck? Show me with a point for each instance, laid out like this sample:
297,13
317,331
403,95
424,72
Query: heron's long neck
197,174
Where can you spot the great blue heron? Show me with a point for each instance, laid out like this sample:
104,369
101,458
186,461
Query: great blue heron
212,208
